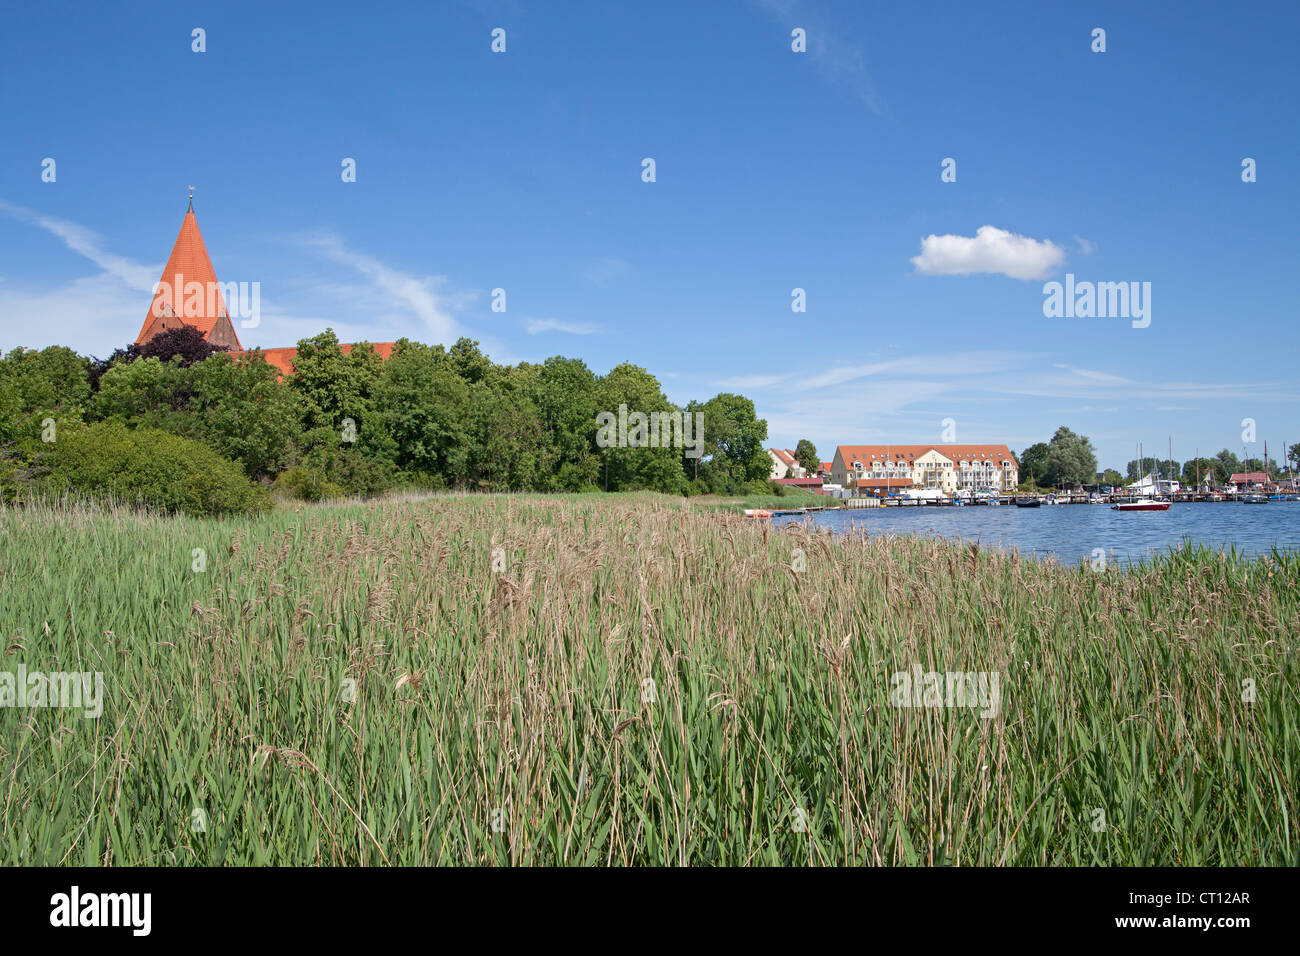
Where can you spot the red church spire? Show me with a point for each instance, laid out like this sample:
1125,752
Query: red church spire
188,293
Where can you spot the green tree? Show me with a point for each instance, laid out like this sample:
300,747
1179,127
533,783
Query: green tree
53,383
505,449
1033,463
1071,459
734,439
243,411
331,386
1195,469
629,468
1225,465
145,393
1141,468
422,412
565,394
806,454
239,409
1112,477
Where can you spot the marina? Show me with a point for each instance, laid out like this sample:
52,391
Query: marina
1074,534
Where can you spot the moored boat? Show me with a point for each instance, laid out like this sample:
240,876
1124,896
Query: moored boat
1028,503
1141,506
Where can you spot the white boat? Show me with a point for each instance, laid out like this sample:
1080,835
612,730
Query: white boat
1146,504
924,495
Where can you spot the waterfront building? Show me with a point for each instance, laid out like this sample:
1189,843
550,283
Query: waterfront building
892,469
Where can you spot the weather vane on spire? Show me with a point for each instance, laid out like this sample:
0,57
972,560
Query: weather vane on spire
191,197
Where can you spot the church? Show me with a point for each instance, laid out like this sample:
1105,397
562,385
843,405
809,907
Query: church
189,294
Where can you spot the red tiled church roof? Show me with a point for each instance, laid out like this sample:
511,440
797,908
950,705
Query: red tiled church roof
283,358
171,308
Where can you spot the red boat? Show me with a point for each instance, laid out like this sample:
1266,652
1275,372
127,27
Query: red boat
1141,506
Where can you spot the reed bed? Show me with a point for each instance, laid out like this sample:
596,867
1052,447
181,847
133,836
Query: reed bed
639,683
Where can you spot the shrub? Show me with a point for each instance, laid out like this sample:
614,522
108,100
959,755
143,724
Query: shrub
329,470
148,467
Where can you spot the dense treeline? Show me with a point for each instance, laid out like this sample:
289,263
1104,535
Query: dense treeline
346,424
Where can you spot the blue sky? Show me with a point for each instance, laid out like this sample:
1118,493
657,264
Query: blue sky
774,170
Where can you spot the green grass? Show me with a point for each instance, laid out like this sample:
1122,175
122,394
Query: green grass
794,498
521,697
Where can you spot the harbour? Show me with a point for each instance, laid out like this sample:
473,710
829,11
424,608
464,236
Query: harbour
1070,535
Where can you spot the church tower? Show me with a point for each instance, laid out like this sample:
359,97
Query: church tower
188,292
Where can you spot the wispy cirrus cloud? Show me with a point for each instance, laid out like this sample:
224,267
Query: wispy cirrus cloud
605,271
85,242
423,296
831,49
1104,378
990,251
538,326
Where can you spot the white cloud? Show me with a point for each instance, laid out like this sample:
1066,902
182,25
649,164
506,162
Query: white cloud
1086,246
604,271
537,326
89,244
991,250
421,296
830,49
961,364
92,314
752,381
1105,378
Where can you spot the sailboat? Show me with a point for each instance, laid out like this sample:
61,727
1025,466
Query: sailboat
1149,503
1032,501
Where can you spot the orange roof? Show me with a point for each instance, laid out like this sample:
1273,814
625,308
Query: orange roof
171,307
785,454
955,453
282,358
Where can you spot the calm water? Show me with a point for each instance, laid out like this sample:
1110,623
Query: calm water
1071,532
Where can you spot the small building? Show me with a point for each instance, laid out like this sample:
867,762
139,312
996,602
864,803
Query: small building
1248,481
784,464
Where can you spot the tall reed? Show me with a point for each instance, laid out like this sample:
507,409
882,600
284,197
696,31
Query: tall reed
635,683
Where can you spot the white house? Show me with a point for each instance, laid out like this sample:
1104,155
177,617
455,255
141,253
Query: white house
784,464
